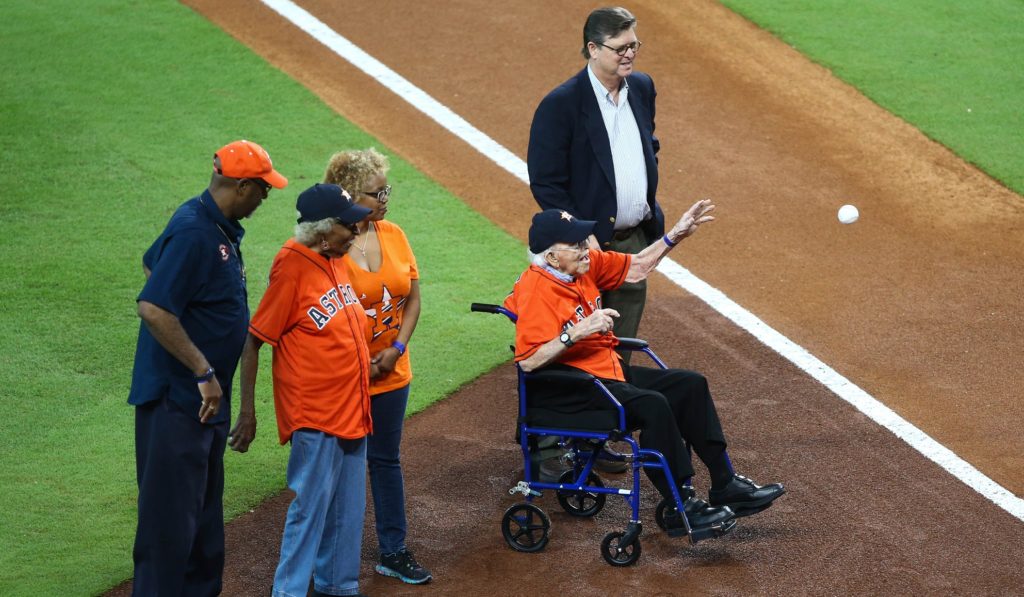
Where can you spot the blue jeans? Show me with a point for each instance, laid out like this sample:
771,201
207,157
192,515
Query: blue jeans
382,457
323,531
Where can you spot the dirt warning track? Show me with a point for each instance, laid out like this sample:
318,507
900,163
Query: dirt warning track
917,304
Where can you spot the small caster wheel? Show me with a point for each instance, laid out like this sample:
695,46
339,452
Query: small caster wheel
581,503
525,528
620,555
665,506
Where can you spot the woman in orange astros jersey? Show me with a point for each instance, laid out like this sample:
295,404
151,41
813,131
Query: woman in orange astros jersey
383,271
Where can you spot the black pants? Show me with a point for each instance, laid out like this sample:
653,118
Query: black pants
670,407
179,541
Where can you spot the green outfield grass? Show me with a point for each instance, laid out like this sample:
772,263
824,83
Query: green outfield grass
951,68
109,115
109,112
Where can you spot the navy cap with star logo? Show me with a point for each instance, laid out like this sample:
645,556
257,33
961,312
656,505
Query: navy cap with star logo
557,226
322,201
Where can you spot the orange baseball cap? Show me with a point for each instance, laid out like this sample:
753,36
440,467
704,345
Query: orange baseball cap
245,159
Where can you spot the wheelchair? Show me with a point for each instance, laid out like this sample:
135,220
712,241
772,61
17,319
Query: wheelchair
580,491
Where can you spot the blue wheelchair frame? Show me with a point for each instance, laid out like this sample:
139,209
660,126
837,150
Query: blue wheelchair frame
618,548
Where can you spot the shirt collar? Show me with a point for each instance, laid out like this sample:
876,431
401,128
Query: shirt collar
559,275
602,92
232,228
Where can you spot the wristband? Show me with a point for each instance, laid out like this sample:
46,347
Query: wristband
205,377
668,241
399,346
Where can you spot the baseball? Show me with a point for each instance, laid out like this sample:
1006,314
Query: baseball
848,214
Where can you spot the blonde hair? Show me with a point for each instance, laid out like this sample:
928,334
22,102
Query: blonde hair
352,169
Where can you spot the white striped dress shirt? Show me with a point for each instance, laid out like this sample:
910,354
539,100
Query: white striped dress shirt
627,155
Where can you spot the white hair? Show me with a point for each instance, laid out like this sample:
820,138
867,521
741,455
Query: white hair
539,259
306,233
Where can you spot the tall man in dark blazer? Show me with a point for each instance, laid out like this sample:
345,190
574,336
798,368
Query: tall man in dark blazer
593,152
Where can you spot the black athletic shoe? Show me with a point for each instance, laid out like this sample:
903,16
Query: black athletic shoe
744,496
403,566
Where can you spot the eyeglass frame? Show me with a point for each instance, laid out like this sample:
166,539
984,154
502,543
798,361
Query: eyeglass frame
581,247
353,228
621,50
381,195
262,184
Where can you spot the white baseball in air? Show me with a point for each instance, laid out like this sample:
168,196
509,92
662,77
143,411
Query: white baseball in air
848,214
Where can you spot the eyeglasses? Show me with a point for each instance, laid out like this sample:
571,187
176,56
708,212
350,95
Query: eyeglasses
621,50
262,184
354,229
381,195
581,247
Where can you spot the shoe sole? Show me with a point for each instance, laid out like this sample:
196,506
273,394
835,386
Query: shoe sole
393,574
752,507
741,512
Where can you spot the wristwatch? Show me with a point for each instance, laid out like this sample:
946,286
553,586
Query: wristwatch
566,339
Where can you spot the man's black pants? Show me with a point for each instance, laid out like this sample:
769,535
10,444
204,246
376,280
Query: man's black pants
179,541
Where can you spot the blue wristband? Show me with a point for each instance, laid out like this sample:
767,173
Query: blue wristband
205,377
668,241
398,345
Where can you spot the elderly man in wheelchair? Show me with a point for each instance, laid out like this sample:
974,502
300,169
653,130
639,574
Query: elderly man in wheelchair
562,327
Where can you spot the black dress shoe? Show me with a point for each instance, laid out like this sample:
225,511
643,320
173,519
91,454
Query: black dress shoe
744,496
705,520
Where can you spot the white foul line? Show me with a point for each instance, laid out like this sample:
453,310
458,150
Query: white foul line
814,367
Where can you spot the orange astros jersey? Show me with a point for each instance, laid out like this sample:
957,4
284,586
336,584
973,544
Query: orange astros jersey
547,306
312,318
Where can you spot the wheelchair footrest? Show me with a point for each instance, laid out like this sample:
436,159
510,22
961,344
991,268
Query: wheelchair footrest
711,532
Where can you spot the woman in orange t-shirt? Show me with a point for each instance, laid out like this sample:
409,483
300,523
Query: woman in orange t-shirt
382,268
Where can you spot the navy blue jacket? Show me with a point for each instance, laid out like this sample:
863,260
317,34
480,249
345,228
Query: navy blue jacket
570,160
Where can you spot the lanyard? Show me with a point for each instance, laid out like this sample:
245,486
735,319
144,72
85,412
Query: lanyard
234,249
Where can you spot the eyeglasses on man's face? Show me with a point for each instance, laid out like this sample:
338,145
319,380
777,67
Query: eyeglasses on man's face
259,182
581,247
621,50
380,194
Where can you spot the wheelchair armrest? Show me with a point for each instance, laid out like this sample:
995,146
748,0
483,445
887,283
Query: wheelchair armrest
632,343
496,309
484,308
571,378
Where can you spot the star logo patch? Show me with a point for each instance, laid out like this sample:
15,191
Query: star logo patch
566,216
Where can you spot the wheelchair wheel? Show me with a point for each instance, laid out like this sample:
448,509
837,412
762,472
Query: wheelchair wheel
581,503
664,506
525,528
619,555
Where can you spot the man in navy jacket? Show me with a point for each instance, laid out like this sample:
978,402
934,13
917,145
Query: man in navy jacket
593,152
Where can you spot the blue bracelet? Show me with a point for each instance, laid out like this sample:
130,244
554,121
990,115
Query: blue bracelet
399,346
668,241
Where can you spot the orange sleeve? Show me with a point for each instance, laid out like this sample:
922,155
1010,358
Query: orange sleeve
414,271
538,323
274,314
609,268
398,249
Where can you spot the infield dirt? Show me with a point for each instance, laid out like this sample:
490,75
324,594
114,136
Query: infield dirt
917,303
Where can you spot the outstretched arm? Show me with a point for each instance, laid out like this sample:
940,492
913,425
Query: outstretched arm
644,262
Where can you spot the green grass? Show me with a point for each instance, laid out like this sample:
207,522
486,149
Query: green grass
952,69
109,113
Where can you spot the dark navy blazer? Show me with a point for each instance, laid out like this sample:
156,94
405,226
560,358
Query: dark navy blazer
570,160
